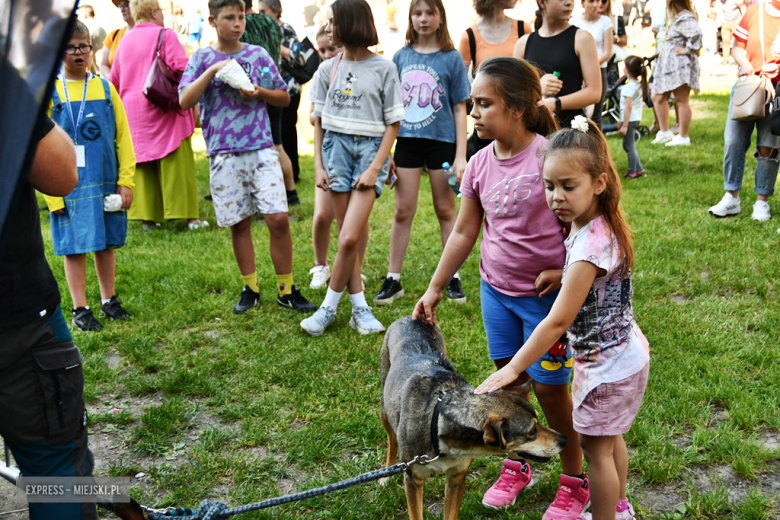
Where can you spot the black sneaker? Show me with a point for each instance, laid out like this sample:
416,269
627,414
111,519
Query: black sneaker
85,321
292,198
390,291
113,309
455,291
295,301
209,198
249,299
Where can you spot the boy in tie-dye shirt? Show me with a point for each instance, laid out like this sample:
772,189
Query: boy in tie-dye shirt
246,177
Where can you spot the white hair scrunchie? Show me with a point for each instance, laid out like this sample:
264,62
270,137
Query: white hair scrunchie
580,123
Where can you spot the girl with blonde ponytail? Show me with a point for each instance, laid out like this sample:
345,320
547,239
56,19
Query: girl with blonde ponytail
611,355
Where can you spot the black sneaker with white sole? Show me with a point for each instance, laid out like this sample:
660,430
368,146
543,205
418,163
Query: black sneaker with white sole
390,291
249,299
113,309
295,301
455,291
85,321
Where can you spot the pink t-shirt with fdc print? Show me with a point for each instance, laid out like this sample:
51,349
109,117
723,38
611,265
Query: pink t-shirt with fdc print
521,236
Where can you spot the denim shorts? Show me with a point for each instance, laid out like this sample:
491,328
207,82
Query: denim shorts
509,322
346,157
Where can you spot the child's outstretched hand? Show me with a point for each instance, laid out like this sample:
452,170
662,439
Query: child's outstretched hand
426,307
548,281
498,380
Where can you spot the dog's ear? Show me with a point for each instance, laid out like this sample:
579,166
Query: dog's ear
522,389
492,433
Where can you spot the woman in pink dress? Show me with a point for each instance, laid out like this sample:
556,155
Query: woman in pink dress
166,188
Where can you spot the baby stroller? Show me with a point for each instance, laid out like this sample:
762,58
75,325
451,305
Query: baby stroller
611,111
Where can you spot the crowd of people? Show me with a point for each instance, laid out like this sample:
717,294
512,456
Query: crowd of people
536,178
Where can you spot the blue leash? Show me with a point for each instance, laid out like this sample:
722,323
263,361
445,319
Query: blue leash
220,511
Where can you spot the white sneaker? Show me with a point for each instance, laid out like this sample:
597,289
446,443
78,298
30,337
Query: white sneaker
663,137
679,141
727,206
320,276
761,211
364,322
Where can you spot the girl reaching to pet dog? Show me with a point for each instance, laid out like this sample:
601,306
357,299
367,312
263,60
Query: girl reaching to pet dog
611,355
522,260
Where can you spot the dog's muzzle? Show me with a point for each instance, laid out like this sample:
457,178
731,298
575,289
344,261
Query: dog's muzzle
532,458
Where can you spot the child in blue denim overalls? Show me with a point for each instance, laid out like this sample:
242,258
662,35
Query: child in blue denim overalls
90,111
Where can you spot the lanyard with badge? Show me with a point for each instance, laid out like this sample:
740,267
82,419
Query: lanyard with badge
81,160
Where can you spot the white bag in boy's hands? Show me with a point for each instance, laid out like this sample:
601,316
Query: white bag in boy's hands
233,74
112,203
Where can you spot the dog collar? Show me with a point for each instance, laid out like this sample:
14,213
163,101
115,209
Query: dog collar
435,426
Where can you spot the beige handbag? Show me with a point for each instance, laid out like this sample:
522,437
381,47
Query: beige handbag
753,93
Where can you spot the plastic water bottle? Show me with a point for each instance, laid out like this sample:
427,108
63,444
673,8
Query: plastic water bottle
267,80
452,178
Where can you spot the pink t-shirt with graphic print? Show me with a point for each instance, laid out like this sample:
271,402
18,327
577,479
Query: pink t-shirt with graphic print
607,343
521,236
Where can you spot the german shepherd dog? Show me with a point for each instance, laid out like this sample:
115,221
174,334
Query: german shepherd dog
430,409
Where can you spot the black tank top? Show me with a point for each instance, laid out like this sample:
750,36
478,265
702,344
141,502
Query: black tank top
557,54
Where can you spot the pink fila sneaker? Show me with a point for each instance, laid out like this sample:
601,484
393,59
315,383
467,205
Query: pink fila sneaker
572,499
626,514
515,476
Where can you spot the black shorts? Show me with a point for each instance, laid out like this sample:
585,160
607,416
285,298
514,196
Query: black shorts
275,118
415,152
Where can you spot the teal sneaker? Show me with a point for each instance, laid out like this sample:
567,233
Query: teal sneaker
364,322
319,321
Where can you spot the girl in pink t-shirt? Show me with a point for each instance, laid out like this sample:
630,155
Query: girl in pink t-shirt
522,260
611,355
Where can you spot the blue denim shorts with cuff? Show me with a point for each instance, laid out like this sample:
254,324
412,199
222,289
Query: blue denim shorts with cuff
346,157
510,320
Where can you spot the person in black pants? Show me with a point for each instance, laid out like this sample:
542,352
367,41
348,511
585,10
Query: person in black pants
292,55
41,377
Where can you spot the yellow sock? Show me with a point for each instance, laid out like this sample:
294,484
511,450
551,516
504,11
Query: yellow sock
285,282
251,281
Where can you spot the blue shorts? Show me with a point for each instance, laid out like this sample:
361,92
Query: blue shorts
195,37
346,157
509,322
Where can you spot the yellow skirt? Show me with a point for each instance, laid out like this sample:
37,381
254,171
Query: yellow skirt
166,189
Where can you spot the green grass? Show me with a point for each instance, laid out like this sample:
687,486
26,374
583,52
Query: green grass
244,403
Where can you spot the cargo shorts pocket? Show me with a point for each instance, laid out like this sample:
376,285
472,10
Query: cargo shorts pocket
61,375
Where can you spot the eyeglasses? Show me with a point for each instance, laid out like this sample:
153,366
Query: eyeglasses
83,49
604,2
124,6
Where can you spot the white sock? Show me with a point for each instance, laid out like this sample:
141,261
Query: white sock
332,299
102,301
358,300
457,275
394,276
